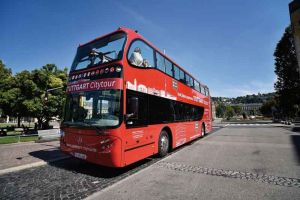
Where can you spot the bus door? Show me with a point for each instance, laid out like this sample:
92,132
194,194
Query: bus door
138,141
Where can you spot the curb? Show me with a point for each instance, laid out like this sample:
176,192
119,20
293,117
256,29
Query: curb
30,165
43,140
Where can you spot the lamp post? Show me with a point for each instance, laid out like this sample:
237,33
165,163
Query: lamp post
47,91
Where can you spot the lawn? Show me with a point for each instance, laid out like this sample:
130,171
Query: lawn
15,139
4,125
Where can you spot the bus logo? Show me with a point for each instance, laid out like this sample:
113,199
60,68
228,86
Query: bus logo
79,140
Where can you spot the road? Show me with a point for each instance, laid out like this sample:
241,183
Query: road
234,162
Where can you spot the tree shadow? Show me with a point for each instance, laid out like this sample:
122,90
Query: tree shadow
296,142
296,129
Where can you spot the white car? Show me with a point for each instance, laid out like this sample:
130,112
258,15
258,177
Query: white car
251,117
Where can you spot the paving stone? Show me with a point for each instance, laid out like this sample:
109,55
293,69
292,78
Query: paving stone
66,179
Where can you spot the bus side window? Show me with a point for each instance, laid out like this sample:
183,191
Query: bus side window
136,109
206,91
181,76
191,82
197,85
202,90
169,67
176,72
140,54
160,62
188,80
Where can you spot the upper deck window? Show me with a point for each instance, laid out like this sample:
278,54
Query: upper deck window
197,85
169,67
160,62
202,89
164,64
107,49
140,54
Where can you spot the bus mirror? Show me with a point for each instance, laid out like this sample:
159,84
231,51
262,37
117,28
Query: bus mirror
133,108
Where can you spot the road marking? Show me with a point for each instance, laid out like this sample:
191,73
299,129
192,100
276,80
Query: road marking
253,124
30,165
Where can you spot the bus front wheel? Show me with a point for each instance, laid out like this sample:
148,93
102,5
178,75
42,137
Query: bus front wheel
163,144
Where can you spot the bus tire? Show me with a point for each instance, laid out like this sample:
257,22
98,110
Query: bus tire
203,132
163,144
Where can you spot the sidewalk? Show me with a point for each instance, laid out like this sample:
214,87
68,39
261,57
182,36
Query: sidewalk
24,155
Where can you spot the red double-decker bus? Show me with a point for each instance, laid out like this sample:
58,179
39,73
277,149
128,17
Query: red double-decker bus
126,101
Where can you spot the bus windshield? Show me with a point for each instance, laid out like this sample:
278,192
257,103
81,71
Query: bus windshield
100,108
107,49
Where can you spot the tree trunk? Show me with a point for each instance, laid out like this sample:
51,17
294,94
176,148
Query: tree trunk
40,123
19,121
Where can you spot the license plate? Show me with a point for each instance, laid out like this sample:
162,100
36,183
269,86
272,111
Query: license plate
80,155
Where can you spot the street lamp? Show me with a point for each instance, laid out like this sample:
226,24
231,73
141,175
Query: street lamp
47,91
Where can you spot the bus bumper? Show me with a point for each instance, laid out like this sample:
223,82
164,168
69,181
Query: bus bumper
106,151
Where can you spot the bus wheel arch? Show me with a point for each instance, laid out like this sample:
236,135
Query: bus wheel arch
164,142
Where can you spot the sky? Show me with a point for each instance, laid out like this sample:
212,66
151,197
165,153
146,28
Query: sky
227,45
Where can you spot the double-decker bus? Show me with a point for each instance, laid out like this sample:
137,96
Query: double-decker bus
126,100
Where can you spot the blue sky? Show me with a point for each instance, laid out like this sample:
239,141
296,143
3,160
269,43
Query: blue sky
227,45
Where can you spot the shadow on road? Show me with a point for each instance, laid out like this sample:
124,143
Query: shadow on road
296,142
296,129
47,154
83,167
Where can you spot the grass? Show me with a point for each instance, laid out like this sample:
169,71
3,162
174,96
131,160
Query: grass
4,125
15,139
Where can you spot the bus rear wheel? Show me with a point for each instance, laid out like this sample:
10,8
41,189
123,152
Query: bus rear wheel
163,144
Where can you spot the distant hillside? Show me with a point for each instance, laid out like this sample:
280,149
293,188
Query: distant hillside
254,98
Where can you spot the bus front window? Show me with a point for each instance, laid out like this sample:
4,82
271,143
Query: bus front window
93,108
107,49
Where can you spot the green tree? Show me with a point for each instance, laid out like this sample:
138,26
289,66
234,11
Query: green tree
268,107
23,90
23,95
237,110
6,80
48,77
220,110
229,113
287,85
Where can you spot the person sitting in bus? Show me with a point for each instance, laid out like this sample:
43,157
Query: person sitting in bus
136,57
145,63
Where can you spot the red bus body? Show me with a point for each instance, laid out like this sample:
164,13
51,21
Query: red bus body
123,145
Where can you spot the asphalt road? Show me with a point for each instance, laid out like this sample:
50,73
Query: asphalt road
234,162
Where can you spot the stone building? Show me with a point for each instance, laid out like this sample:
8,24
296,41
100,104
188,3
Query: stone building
249,108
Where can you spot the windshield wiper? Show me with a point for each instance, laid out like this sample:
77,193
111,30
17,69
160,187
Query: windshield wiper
98,130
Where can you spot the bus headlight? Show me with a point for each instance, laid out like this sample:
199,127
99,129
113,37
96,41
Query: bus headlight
106,145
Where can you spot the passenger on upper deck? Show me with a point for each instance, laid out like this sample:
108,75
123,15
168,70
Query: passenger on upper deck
136,57
146,63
